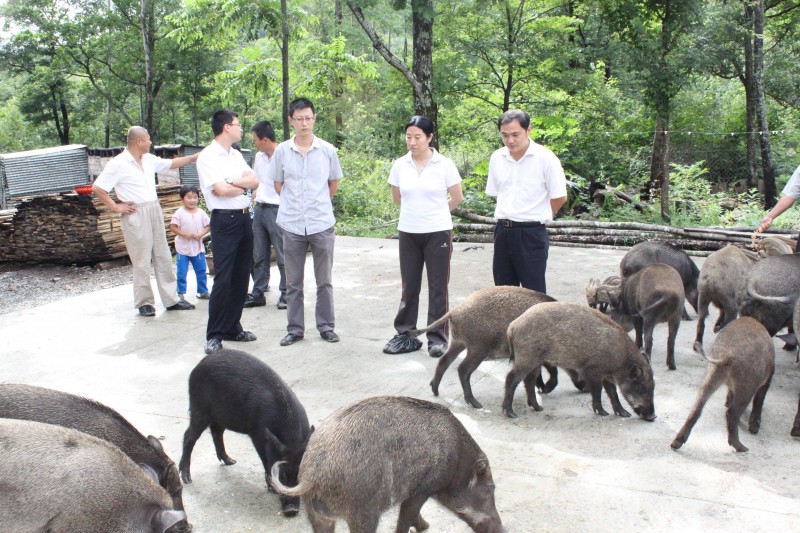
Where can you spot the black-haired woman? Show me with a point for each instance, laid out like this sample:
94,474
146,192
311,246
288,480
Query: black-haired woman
428,187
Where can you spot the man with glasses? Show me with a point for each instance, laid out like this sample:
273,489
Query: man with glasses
306,173
530,187
224,180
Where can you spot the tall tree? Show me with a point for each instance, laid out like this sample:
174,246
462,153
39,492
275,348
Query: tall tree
656,34
420,75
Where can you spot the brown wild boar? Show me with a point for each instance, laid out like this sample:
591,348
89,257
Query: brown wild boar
377,452
587,342
743,358
478,325
651,296
722,282
59,479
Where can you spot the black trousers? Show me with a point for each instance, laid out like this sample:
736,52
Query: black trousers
232,246
431,251
520,256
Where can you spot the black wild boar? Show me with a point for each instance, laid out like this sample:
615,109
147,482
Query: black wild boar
229,389
722,282
586,341
649,252
27,402
743,357
374,453
478,325
771,291
59,479
649,297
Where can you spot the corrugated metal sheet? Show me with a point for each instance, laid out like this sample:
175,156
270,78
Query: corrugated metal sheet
43,171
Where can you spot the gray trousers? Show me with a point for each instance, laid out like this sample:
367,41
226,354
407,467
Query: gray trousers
266,233
146,242
294,253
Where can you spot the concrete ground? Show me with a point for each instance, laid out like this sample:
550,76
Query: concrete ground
564,469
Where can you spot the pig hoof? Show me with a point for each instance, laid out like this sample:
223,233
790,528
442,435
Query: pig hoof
698,348
536,407
227,460
435,388
672,367
676,444
601,412
186,478
510,413
623,413
290,510
754,427
739,447
474,403
795,431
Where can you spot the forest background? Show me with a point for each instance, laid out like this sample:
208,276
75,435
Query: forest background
688,107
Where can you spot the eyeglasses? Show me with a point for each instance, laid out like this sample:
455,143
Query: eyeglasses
235,124
309,118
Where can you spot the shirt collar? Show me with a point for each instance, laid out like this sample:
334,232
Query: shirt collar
435,158
530,151
314,143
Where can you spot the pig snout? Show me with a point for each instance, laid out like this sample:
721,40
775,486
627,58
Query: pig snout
648,414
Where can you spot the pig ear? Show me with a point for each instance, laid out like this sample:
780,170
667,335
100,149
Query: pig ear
277,445
149,472
481,466
155,443
636,372
163,519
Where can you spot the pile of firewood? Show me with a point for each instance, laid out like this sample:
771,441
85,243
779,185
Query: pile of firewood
580,233
70,228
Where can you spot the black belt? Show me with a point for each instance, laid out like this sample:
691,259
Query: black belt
266,205
513,224
242,211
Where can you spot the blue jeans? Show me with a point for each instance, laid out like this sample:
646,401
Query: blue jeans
199,265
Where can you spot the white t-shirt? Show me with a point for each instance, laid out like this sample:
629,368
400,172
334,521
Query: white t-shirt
792,188
214,165
266,187
131,183
190,223
524,188
423,196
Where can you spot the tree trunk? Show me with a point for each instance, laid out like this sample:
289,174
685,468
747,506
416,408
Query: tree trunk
285,70
339,120
424,103
750,104
659,166
421,77
770,190
148,44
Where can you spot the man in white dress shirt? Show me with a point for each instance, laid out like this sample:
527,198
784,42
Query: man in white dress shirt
530,187
224,180
132,176
266,232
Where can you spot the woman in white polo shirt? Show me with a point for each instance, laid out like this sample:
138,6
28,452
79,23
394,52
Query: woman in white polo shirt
428,187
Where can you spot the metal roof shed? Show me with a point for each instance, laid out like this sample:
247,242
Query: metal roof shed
43,171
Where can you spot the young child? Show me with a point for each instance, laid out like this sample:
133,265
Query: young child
190,224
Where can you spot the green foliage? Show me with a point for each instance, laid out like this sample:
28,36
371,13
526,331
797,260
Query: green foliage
363,204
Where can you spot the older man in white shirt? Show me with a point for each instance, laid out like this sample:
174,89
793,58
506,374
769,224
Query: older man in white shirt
132,176
306,173
224,180
530,187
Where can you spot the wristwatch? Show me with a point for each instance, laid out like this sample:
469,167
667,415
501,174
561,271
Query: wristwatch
229,181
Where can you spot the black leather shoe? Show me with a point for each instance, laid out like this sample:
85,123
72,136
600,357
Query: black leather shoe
291,338
212,345
242,336
402,343
282,302
147,310
329,336
255,300
182,305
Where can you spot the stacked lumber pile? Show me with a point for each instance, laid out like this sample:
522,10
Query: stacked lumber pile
587,233
70,228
